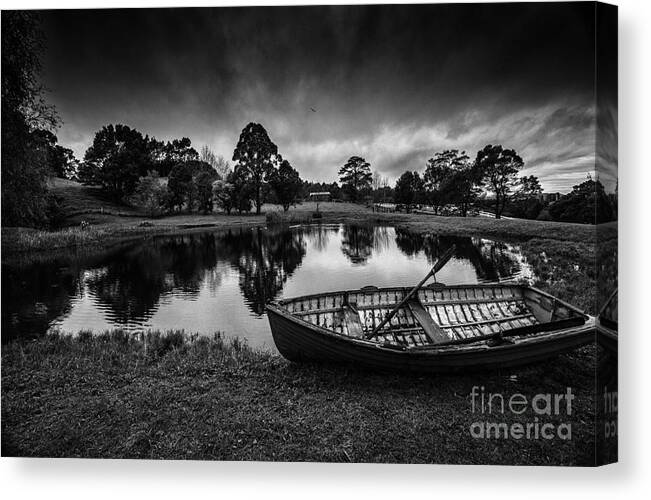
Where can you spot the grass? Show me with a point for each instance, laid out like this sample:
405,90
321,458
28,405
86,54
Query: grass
79,201
110,223
564,270
18,240
174,396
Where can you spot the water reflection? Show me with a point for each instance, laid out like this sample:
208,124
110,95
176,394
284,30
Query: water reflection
491,260
359,242
223,280
131,286
264,259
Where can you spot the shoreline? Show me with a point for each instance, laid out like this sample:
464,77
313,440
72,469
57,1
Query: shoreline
129,228
172,396
566,271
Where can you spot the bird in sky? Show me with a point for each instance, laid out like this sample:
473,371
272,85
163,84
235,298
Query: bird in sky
313,110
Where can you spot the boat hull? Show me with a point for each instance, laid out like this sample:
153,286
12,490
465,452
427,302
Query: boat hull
300,341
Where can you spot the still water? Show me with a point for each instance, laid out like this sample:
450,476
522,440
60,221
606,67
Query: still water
221,281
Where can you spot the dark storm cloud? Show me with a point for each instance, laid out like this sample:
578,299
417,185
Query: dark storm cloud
392,83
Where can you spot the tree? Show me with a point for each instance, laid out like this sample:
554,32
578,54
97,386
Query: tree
88,173
222,166
190,184
587,203
203,177
244,190
150,194
525,203
179,183
461,189
61,161
219,163
25,197
181,150
166,155
286,183
178,151
355,177
224,195
256,156
497,167
409,188
118,157
207,155
529,187
437,173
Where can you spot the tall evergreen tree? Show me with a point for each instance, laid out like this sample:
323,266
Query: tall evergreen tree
355,177
256,156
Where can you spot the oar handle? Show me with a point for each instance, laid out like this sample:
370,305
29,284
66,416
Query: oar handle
437,267
443,260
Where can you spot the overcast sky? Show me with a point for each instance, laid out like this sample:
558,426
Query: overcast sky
393,84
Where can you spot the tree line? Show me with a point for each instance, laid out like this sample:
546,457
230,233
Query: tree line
452,179
132,167
449,178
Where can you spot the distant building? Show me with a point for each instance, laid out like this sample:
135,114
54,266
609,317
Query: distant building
320,196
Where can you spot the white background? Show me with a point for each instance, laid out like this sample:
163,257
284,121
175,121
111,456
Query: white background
43,478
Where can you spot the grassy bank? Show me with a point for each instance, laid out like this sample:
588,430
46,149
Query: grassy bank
109,223
167,397
106,230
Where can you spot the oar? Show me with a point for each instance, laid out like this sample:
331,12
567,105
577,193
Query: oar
443,259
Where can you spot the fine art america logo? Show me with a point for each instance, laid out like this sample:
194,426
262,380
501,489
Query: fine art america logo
496,412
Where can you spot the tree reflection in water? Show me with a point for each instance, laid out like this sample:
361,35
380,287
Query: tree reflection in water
319,235
264,259
359,242
131,287
491,260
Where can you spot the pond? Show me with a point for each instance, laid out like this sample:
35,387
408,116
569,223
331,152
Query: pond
221,281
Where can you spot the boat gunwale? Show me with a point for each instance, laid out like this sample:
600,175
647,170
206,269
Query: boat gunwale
282,302
401,288
444,348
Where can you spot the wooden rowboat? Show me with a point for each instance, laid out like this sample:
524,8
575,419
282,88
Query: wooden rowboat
607,324
438,329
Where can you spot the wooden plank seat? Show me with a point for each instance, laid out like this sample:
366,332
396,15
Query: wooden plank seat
433,331
351,316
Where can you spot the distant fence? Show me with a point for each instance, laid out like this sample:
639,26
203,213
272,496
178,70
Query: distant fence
483,213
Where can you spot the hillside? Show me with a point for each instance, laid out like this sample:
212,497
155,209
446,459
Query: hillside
87,203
